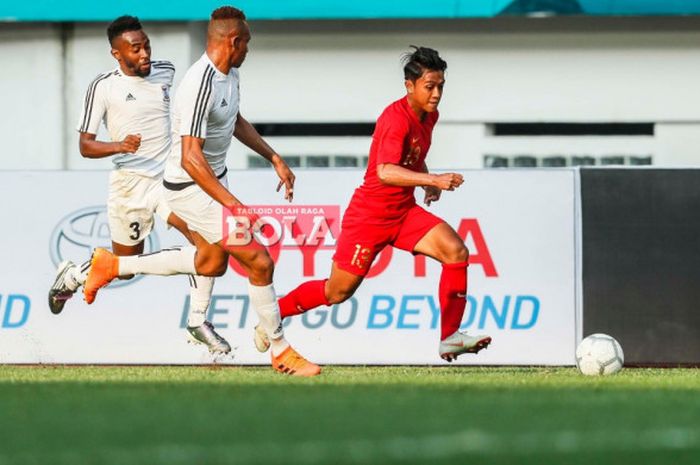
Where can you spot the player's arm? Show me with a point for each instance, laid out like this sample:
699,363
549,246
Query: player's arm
90,147
390,136
248,135
93,114
432,193
200,171
395,175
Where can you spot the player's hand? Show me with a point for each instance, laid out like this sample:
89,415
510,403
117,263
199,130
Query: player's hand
130,144
448,181
432,194
286,177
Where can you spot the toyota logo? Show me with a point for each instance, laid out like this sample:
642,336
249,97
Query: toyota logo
81,231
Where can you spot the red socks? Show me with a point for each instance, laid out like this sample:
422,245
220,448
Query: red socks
452,292
308,296
453,297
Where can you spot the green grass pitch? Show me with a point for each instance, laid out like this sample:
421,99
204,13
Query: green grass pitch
349,415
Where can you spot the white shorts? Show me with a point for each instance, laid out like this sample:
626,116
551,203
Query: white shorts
199,210
133,201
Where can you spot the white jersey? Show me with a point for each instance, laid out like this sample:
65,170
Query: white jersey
133,105
206,107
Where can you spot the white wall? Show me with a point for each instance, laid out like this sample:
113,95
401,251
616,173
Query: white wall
558,76
31,95
523,71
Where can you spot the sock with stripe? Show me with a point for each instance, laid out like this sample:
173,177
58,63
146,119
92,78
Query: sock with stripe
264,301
75,277
201,288
166,262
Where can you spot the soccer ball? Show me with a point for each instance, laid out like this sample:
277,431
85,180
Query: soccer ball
599,354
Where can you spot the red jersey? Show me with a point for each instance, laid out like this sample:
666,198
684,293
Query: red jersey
402,139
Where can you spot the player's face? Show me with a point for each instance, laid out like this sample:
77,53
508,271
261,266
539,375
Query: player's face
239,45
425,93
132,50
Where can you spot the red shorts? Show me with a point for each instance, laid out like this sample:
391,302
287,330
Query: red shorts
360,241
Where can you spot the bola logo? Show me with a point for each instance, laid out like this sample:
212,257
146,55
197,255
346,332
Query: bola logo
81,231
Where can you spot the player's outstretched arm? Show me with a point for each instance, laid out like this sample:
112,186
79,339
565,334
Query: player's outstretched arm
90,147
196,165
247,134
395,175
432,193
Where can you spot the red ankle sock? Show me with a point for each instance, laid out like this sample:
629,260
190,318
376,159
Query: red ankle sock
453,293
308,296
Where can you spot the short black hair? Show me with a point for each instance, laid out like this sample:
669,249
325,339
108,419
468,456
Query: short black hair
121,25
228,12
415,63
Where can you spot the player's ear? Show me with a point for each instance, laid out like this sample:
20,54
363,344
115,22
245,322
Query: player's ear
410,86
115,53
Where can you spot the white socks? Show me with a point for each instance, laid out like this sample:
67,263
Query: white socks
200,294
166,262
264,301
75,277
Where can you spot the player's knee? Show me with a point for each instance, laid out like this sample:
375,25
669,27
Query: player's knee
212,267
262,267
338,296
456,252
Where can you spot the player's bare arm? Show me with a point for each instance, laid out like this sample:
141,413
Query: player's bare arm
198,168
248,135
90,147
395,175
432,193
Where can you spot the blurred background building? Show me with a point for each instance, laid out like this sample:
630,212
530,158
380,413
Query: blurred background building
530,83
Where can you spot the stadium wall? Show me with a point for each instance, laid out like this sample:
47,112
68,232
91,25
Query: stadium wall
503,70
641,251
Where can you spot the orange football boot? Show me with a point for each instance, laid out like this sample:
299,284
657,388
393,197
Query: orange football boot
104,267
291,363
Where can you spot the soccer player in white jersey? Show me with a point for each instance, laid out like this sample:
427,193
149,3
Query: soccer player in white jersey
133,100
206,116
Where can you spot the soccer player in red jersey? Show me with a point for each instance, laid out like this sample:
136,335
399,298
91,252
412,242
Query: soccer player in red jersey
383,211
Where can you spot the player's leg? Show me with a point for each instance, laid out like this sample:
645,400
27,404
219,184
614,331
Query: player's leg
424,233
356,249
358,245
201,287
69,276
338,288
189,204
259,267
130,218
210,259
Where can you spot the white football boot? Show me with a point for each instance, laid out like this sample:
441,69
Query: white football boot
461,343
205,334
261,340
59,292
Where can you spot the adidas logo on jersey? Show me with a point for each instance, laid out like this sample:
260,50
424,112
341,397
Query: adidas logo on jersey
224,103
130,97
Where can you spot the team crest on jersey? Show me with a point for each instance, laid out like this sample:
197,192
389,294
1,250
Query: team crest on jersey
166,92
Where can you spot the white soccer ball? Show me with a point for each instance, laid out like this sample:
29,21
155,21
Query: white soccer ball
599,354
